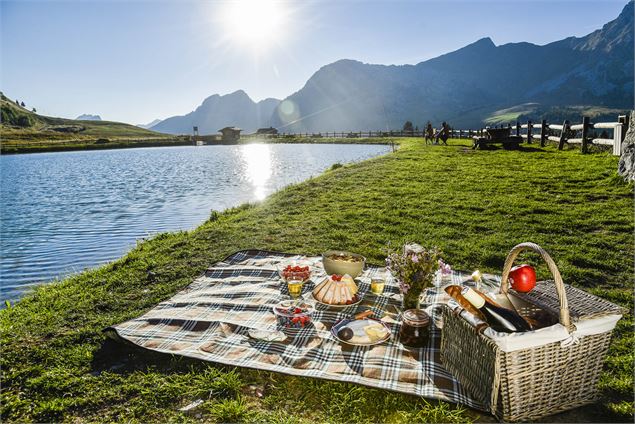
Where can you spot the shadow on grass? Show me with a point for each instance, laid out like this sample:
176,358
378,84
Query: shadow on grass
122,357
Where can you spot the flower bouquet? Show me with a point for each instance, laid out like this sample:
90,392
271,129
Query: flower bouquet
414,267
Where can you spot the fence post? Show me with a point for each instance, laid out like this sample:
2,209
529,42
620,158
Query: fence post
623,119
563,134
543,132
529,131
585,133
517,128
617,140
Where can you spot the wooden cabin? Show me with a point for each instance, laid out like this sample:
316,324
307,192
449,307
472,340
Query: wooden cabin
267,131
230,134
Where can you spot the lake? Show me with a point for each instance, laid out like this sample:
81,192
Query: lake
63,212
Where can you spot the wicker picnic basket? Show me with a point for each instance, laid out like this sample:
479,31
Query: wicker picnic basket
533,382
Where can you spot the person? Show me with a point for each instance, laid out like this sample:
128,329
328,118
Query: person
429,133
443,134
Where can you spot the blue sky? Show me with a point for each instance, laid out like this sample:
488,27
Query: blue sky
134,61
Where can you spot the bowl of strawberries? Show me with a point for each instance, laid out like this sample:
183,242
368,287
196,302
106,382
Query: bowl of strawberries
294,271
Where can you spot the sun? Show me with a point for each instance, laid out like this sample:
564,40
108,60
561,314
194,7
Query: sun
254,23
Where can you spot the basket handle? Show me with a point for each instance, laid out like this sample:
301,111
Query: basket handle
565,319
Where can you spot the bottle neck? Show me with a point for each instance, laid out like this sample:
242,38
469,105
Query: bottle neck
473,297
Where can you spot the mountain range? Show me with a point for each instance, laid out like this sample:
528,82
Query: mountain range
467,87
235,109
88,117
149,124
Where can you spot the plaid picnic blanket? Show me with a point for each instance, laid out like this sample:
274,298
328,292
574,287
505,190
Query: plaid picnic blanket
210,320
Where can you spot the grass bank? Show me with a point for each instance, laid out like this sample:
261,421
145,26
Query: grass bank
9,148
475,205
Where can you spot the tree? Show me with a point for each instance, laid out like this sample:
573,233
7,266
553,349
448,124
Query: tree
17,102
408,127
34,111
22,104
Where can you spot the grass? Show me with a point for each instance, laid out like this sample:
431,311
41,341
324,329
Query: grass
57,364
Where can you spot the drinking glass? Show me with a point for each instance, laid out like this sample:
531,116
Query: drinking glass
294,285
377,285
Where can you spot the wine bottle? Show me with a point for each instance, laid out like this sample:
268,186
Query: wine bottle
498,318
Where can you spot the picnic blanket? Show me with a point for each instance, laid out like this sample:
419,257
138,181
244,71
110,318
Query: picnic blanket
211,318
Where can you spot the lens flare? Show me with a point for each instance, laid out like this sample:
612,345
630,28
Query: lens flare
288,111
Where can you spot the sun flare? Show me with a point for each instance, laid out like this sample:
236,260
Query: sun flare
254,23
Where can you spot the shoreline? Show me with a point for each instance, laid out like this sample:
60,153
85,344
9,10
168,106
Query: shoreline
131,144
359,207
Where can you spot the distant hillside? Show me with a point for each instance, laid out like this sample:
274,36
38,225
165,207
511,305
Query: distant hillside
469,85
27,129
88,117
554,114
235,109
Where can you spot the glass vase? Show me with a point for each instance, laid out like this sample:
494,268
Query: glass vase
411,300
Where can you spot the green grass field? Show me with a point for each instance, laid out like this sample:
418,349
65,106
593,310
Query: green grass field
475,205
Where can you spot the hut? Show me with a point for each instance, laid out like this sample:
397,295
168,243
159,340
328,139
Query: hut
230,134
267,131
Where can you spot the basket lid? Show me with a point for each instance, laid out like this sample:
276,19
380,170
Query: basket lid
582,305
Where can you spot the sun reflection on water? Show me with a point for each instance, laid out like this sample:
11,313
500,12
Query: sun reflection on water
257,158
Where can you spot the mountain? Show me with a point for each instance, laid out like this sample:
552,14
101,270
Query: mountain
149,125
87,117
235,109
467,86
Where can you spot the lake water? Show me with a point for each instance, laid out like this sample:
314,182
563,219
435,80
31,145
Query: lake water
65,211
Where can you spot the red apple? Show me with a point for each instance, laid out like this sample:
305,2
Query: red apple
522,278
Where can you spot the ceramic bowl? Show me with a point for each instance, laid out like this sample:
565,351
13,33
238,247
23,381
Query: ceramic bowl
340,262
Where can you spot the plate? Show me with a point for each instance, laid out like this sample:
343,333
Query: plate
328,305
267,335
360,338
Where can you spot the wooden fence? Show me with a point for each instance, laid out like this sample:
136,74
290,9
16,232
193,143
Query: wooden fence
371,134
562,134
584,134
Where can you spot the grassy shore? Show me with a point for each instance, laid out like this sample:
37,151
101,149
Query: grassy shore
40,144
475,205
9,148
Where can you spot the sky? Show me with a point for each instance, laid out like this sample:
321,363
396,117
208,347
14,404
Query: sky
135,61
